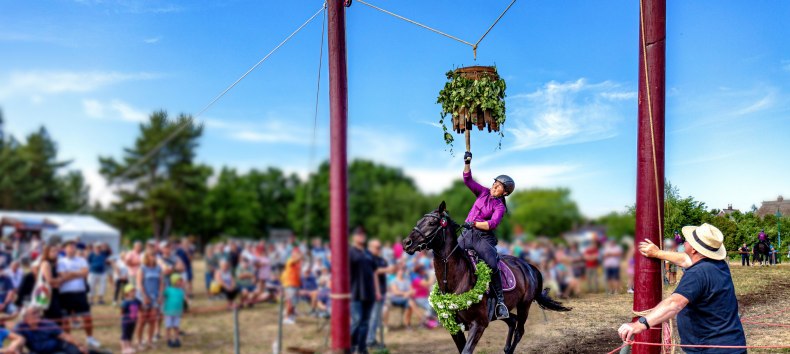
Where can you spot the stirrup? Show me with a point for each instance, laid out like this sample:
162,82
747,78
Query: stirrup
497,308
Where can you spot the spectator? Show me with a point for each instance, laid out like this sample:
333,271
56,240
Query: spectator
133,259
212,257
182,248
227,284
150,285
245,280
16,273
170,263
16,342
401,294
7,294
382,269
73,292
422,285
25,289
173,309
364,291
43,336
130,313
576,260
48,271
309,289
264,267
291,282
568,284
120,273
591,266
744,251
612,256
97,272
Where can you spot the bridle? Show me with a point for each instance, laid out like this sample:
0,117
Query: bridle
428,239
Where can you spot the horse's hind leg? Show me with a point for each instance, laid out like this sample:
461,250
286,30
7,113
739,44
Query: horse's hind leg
460,340
521,318
511,325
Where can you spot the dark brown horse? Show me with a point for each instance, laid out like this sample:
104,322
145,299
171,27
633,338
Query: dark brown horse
454,274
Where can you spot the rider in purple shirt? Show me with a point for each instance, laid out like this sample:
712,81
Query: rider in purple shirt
483,219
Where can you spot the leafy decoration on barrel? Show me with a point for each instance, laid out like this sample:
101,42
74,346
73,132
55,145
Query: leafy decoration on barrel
473,96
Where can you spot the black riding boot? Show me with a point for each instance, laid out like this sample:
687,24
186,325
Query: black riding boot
501,311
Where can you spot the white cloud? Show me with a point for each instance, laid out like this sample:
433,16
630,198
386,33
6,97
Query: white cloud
762,103
115,109
272,131
99,190
153,40
566,113
380,145
57,82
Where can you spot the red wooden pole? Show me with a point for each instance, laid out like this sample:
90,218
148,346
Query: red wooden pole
650,161
338,204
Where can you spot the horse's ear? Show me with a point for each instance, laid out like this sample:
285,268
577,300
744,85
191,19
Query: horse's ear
442,207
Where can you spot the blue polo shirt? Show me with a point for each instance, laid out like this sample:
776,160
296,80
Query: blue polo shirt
711,316
43,339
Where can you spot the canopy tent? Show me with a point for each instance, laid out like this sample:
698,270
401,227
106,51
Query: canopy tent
86,228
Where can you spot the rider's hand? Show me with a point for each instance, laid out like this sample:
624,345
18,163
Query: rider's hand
468,157
648,249
468,225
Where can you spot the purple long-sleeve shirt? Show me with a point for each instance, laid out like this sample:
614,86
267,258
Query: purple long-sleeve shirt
486,207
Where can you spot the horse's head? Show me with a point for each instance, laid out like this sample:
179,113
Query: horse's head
427,229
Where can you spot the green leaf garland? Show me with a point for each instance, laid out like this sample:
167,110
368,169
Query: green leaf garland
447,305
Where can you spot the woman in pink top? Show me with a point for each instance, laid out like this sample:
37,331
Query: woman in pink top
482,220
133,259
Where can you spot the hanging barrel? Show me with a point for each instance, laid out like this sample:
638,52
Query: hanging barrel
463,119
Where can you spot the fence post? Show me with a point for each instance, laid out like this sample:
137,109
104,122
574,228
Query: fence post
236,338
280,322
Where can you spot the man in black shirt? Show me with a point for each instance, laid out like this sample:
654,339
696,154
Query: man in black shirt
382,269
744,251
364,291
704,301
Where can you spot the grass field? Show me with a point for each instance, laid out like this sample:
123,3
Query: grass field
589,328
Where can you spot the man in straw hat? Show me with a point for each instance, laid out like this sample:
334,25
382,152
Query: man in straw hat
704,301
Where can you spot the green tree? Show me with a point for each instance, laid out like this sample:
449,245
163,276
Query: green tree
729,229
232,206
274,192
459,200
166,186
680,211
544,212
618,224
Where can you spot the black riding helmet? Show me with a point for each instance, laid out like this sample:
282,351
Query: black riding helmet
507,182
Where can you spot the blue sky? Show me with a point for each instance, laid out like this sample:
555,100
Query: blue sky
90,70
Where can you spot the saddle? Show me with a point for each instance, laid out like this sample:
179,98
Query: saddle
505,273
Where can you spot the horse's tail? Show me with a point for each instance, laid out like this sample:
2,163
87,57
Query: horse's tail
542,296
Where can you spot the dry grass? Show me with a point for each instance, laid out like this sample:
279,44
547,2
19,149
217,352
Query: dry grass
589,328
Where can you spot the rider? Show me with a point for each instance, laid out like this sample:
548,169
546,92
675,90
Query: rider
483,219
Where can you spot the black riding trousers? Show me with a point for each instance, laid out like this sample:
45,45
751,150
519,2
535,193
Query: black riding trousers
484,243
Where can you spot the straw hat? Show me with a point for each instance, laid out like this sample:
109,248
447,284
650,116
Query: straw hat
706,239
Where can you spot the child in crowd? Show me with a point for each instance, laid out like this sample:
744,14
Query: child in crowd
173,309
130,310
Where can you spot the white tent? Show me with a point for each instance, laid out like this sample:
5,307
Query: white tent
86,228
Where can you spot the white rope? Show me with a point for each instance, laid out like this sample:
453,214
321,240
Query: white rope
188,122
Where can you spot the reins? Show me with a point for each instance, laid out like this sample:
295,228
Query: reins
443,226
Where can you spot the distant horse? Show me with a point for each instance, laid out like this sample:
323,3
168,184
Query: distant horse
762,252
455,274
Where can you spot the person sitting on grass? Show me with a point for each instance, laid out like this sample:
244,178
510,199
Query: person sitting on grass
44,336
174,299
400,292
245,280
7,294
227,284
16,342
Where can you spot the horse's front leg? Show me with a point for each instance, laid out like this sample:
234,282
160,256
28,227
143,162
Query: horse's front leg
460,340
475,333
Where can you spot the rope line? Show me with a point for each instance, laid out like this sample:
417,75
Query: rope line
189,121
416,23
311,157
473,45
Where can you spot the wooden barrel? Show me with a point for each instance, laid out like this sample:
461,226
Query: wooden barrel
481,119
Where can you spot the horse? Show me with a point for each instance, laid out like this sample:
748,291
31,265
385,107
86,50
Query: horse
762,252
454,272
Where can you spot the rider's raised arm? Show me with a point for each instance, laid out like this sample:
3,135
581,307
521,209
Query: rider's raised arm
470,183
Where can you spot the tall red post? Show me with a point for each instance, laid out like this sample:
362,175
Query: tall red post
338,191
650,161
